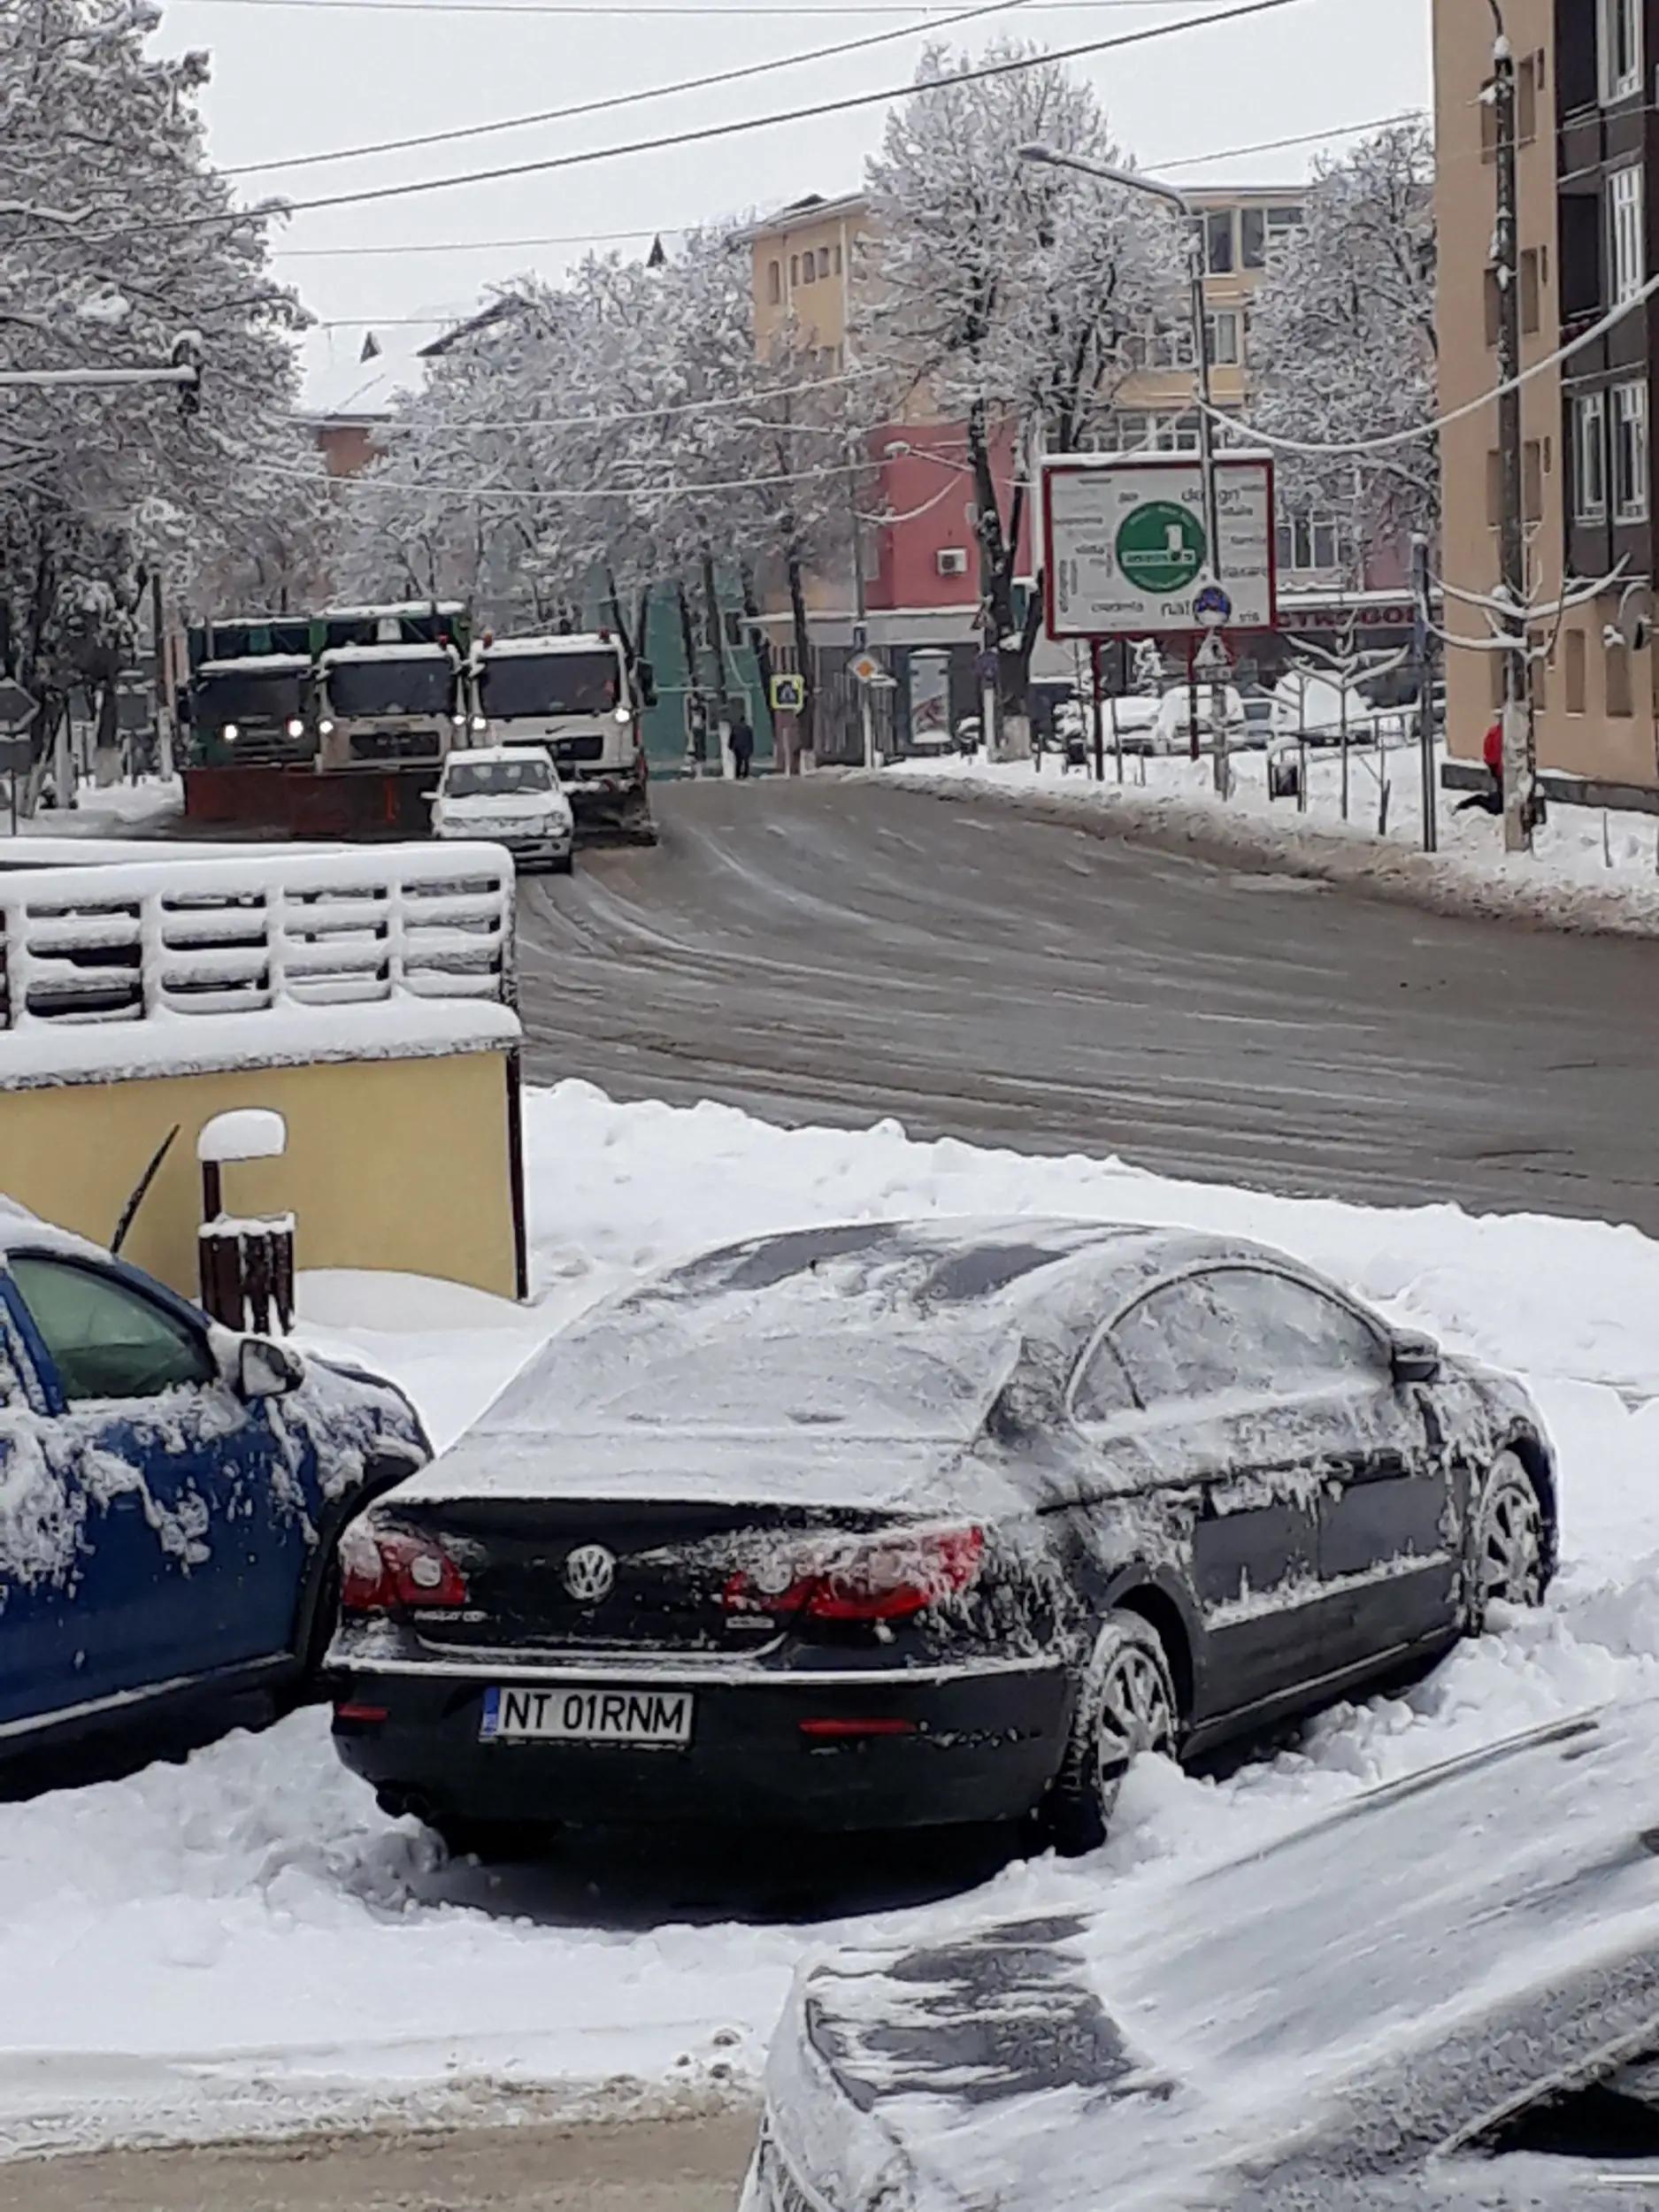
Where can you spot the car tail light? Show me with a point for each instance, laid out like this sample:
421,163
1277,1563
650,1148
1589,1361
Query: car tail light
392,1572
887,1578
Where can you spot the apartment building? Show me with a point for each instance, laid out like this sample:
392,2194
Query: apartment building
1588,191
805,268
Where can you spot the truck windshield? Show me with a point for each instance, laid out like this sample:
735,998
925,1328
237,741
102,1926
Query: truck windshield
494,779
247,695
425,687
549,683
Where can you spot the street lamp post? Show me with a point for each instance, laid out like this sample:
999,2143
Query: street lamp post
1132,180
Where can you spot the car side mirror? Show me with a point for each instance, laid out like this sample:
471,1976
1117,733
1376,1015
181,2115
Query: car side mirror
1417,1359
266,1370
645,676
431,796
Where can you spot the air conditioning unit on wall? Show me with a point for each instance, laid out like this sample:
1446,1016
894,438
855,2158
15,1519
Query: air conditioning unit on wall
951,561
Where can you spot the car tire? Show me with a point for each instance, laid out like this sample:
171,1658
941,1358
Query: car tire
1509,1553
1125,1704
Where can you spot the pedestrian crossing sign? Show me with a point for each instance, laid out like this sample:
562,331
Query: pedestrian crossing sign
788,694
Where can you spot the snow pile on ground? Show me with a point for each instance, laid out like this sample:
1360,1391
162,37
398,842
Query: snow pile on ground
1591,870
246,1944
108,812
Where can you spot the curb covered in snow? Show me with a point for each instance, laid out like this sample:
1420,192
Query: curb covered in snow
1442,883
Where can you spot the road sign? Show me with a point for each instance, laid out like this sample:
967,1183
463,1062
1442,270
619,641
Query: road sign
18,709
1212,657
1126,550
866,668
1212,607
788,694
14,756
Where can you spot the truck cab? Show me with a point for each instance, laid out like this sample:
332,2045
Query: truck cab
252,710
380,705
573,698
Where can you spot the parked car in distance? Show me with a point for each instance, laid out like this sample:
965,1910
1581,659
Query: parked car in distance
1442,1998
170,1494
510,795
912,1523
1131,724
1172,732
1259,718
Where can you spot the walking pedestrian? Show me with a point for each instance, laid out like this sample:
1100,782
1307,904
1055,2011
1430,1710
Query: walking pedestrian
1491,800
742,743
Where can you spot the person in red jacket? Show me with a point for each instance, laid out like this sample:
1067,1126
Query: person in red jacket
1491,800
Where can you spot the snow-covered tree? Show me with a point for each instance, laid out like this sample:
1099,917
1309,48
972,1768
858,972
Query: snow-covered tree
115,236
1342,338
1007,295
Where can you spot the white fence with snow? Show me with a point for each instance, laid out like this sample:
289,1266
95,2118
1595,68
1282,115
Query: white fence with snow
370,941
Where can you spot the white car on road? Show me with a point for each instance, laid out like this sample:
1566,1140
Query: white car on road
511,794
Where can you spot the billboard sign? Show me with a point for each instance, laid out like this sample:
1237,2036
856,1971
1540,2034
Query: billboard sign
1127,551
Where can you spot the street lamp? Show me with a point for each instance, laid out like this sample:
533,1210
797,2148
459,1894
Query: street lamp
1131,181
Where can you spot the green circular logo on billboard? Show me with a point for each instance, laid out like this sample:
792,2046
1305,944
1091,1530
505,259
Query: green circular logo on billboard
1160,547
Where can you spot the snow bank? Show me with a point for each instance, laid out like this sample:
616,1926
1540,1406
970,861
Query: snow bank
244,1943
1593,874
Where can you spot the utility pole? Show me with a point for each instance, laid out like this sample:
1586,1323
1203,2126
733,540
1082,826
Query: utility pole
1519,756
861,609
1423,660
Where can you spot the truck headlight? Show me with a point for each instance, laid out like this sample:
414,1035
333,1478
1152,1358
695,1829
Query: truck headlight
625,714
325,729
297,728
480,721
459,721
230,733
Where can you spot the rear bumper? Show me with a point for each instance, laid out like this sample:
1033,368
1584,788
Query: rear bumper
964,1744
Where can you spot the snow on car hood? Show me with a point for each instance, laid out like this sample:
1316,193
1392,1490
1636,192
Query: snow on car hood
1381,1980
506,806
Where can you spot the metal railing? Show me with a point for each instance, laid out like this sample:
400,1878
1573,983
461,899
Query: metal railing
125,941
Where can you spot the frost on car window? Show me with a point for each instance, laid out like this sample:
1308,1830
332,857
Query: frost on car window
1241,1329
844,1385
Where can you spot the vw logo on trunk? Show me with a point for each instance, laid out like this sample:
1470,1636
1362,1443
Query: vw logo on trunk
590,1571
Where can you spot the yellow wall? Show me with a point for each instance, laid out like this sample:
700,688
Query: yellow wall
390,1164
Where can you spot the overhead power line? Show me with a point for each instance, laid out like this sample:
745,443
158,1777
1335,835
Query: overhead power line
630,99
678,407
665,230
1245,11
926,18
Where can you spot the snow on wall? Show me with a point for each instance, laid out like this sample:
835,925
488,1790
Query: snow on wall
173,966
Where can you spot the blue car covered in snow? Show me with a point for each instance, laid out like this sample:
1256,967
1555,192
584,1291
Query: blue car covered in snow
170,1498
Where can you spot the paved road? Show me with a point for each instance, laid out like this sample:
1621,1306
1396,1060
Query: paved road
685,2165
825,950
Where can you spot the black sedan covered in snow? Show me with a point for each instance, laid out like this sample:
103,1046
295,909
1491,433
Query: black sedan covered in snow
1442,1998
892,1523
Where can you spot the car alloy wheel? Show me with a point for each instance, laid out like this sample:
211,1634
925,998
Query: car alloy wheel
1508,1549
1126,1704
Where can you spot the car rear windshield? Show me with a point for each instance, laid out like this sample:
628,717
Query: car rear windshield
842,1386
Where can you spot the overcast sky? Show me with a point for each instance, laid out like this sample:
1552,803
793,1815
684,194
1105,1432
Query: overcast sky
292,79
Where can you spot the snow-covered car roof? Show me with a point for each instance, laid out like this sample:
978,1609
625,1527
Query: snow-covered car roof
256,665
394,610
517,647
20,1231
416,649
516,755
905,1331
1311,2025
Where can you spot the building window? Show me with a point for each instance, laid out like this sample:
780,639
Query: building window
1628,259
1577,661
774,281
823,261
1172,349
1226,338
809,267
1218,242
1531,289
1629,452
837,260
1252,238
1532,481
1309,541
1621,48
1134,431
1619,701
1283,223
794,268
1589,458
1526,101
